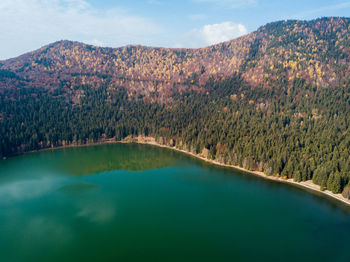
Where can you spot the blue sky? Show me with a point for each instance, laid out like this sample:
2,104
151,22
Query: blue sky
27,25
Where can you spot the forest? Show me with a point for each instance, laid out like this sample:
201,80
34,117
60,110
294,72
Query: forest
276,100
300,133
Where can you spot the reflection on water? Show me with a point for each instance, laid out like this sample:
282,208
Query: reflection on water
26,189
88,160
49,228
143,203
78,188
97,211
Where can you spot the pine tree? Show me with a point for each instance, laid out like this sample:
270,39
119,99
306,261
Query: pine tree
320,177
334,183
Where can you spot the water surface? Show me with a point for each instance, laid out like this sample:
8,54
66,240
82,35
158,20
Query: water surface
127,202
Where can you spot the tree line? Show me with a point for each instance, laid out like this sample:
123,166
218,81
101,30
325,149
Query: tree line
299,132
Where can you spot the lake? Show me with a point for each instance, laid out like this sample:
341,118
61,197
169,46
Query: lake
129,202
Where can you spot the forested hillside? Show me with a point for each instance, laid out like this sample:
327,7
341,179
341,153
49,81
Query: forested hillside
276,54
276,100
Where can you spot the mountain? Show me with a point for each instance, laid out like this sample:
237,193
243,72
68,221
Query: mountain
316,52
276,100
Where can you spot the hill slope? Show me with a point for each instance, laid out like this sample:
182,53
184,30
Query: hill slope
276,100
282,52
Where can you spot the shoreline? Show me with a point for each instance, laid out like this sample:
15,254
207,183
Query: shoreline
305,185
151,141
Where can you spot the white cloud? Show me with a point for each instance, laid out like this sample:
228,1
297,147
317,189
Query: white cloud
97,42
230,3
215,33
26,25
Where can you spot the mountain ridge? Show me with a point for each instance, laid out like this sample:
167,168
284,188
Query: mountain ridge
176,48
292,49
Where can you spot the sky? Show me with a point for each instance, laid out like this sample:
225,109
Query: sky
27,25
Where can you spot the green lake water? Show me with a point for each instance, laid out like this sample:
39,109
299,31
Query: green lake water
126,202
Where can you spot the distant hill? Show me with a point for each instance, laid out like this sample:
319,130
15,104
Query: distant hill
276,100
317,52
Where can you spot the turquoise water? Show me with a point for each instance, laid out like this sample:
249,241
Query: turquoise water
128,202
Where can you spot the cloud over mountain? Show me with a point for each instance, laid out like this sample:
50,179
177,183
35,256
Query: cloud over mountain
216,33
38,22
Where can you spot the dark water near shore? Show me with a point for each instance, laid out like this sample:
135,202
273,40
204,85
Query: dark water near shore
128,202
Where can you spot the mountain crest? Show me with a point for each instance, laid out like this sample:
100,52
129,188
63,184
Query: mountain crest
316,52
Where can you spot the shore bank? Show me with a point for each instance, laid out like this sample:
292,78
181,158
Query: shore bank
307,184
151,141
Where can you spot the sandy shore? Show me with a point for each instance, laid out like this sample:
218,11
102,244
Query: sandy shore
307,184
